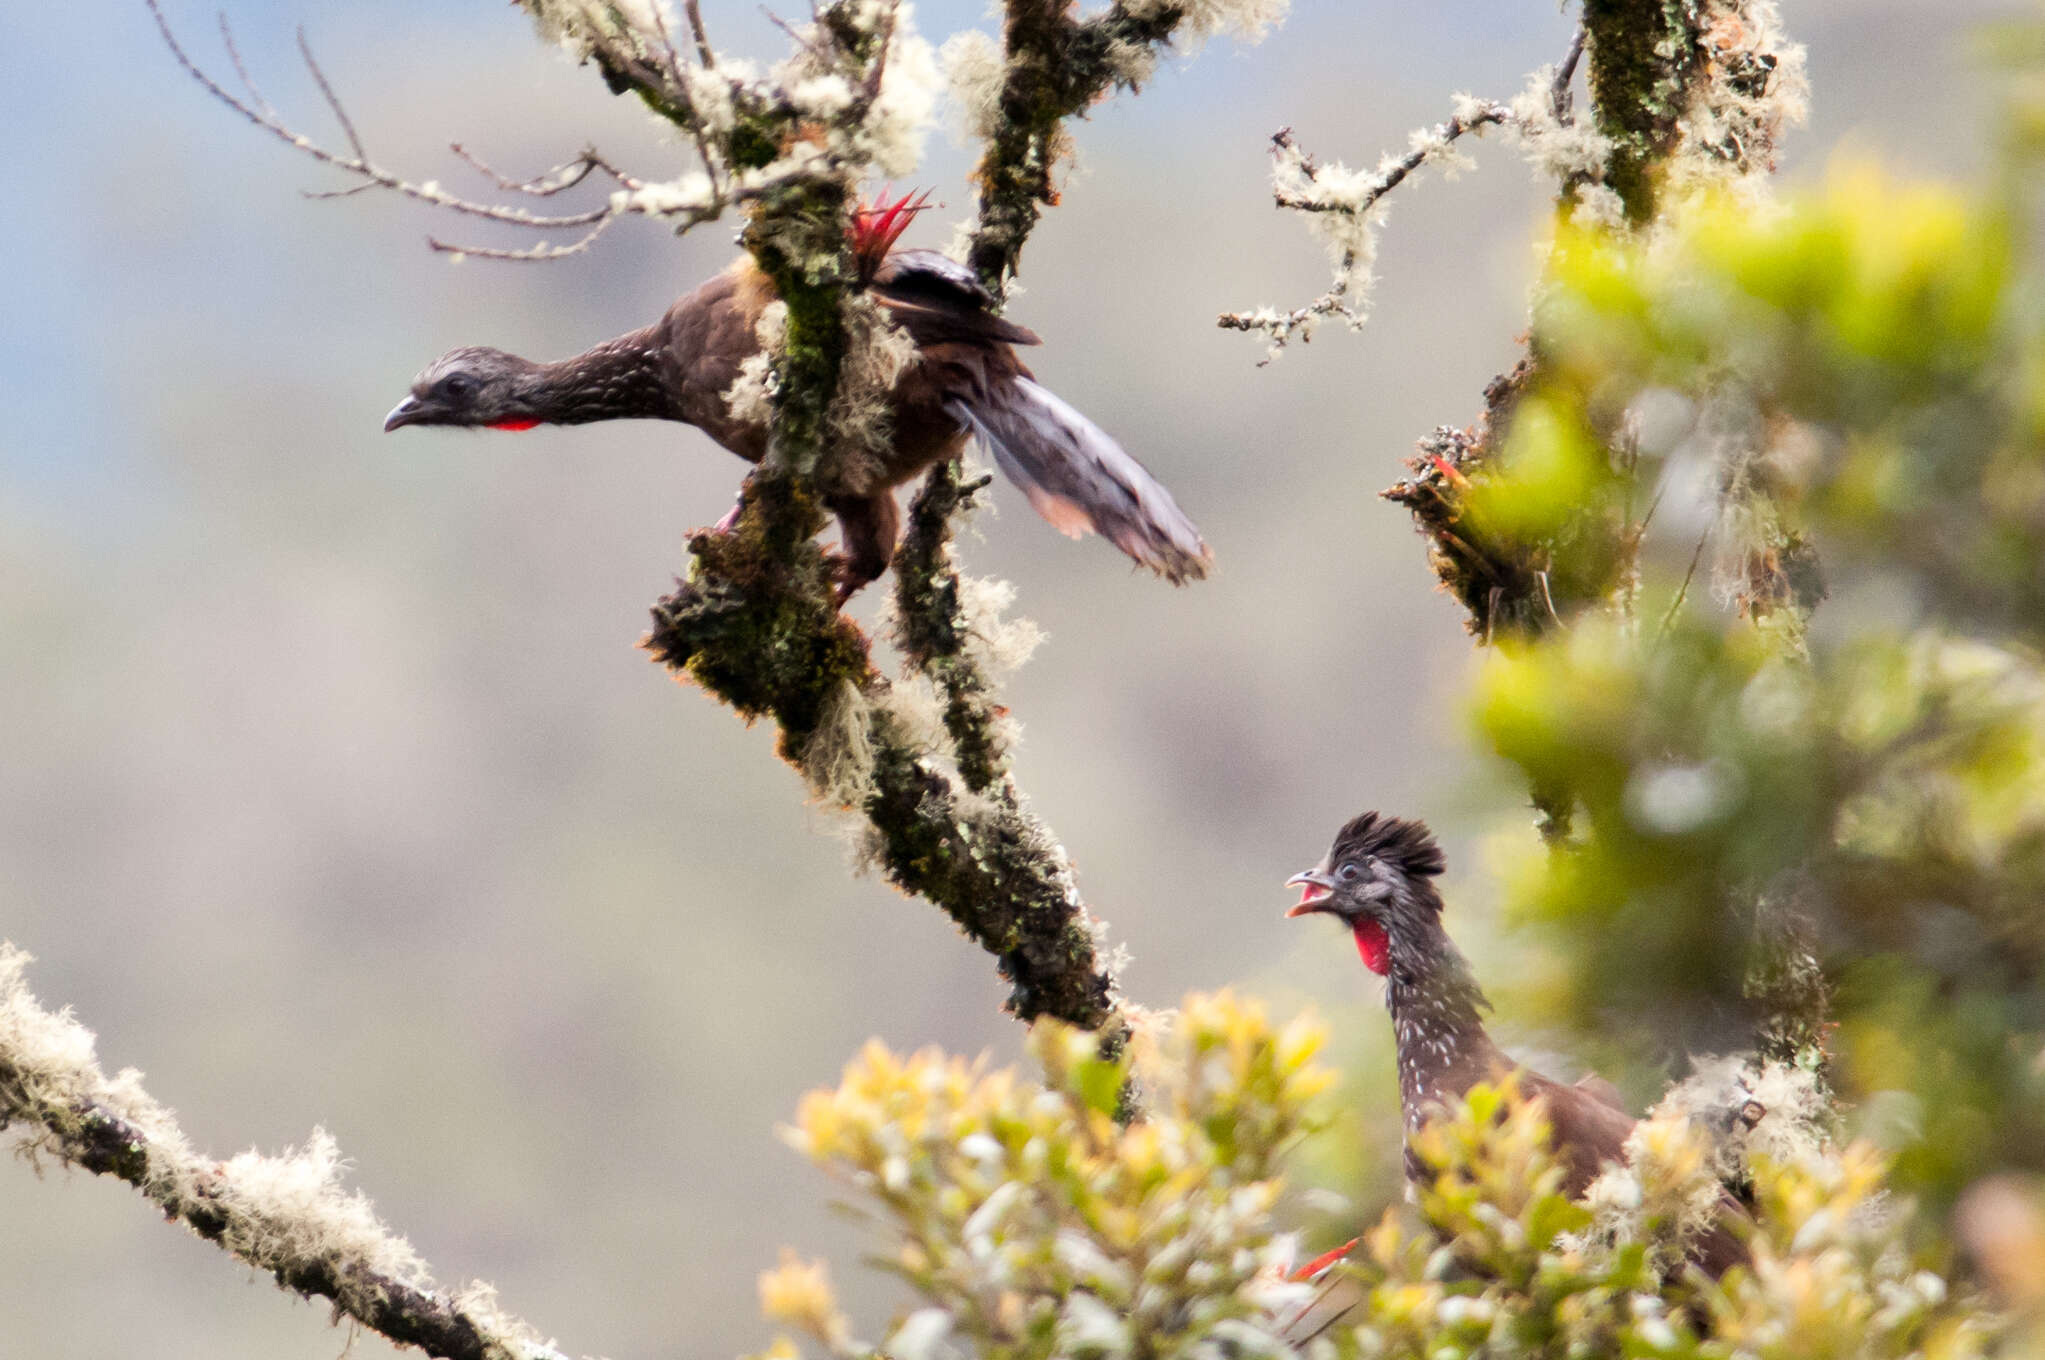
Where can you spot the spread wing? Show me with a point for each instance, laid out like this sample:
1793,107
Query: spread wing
1079,478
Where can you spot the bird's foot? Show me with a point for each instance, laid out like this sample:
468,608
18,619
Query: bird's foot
851,576
730,520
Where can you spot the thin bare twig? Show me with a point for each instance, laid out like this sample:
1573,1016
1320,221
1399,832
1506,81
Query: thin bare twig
1558,93
360,165
560,179
693,9
880,59
333,102
348,192
234,55
529,254
806,41
1683,591
1547,597
1661,489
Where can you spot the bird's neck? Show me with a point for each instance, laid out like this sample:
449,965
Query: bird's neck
1437,1021
616,380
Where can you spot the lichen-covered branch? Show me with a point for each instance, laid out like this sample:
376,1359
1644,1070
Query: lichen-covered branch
943,816
756,621
1643,54
1515,581
757,625
1054,66
935,634
286,1216
926,773
1341,205
1691,92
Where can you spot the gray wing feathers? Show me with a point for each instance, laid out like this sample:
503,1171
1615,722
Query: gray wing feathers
1080,479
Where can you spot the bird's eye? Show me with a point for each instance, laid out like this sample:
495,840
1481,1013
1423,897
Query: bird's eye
1349,873
458,386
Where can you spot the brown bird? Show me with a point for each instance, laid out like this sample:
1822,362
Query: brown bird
1378,880
966,382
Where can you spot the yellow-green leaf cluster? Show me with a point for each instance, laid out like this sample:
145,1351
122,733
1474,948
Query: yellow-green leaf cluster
1499,1262
1031,1222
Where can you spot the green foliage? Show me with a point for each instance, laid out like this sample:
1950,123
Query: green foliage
1850,377
1894,772
1030,1222
1863,344
1832,818
1499,1262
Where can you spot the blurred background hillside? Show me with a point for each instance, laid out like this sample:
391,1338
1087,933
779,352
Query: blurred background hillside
333,791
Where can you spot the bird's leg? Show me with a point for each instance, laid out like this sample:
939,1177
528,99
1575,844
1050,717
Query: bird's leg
867,529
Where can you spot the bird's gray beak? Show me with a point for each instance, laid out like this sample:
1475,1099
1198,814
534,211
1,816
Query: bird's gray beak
406,412
1315,888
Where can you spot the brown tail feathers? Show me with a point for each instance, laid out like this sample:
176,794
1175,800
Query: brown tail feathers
1080,479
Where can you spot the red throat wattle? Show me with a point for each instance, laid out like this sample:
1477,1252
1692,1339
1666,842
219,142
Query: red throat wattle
1374,945
514,424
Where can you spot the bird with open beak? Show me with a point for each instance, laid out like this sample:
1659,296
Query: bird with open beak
1377,879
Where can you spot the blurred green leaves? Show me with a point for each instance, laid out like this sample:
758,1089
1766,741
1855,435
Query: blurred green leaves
1030,1223
1497,1261
1845,390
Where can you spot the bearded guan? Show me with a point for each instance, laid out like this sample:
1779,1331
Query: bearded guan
966,381
1377,880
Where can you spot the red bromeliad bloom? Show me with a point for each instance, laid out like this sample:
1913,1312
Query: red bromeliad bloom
878,224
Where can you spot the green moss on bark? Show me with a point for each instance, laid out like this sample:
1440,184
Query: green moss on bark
1643,55
933,633
1057,67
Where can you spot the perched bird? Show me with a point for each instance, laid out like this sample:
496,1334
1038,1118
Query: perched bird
1378,880
966,382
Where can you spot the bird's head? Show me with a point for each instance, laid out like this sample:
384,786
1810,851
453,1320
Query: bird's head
473,386
1378,880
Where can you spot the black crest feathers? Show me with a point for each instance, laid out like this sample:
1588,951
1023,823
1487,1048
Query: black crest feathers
1409,845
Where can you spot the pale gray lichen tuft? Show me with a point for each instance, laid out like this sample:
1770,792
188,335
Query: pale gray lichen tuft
838,758
877,353
750,398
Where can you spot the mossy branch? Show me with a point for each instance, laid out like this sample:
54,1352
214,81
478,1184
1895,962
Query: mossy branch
1501,579
1055,66
933,631
1655,78
755,626
1641,57
285,1216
